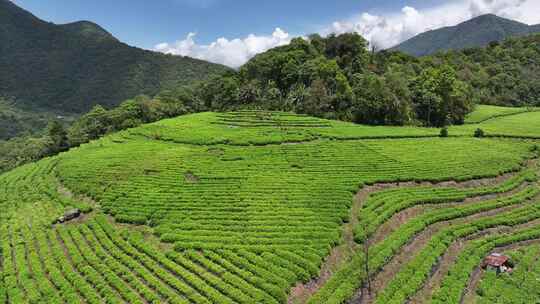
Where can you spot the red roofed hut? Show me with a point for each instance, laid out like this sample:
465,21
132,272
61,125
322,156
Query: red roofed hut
496,261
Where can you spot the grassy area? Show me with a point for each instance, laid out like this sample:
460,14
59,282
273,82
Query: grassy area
526,125
251,203
486,112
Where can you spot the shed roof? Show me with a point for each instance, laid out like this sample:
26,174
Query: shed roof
496,260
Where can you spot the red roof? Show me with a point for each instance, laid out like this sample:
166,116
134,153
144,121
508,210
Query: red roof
495,260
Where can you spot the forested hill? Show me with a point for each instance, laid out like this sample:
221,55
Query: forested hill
72,67
476,32
336,77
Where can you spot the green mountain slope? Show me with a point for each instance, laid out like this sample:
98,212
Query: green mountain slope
476,32
71,67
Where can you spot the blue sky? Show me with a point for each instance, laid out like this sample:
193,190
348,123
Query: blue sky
146,23
232,31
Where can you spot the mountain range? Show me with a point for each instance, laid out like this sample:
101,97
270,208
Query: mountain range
49,70
477,32
72,67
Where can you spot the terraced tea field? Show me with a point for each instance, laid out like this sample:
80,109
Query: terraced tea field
271,207
484,113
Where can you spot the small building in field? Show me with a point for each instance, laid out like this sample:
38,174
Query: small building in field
497,262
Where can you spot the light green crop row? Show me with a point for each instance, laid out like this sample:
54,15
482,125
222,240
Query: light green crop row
381,206
414,274
483,113
453,285
350,277
261,217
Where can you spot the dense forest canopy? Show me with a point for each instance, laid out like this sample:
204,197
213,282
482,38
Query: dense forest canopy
336,77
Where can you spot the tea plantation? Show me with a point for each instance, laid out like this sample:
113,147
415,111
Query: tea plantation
272,207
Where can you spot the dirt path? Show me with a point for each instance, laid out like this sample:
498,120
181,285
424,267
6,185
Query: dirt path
341,254
408,252
404,216
338,256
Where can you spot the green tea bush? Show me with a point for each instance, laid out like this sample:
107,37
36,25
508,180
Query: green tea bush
479,133
444,132
273,191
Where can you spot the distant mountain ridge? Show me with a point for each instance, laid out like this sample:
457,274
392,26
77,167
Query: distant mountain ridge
72,67
477,32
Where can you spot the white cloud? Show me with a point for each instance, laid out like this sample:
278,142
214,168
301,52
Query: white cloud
233,52
389,29
383,30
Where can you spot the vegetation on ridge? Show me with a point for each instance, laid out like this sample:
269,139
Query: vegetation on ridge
250,203
338,78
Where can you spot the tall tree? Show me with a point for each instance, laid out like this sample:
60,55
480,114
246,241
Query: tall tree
57,136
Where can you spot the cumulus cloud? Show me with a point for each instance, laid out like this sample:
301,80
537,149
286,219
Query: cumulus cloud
389,29
233,52
382,30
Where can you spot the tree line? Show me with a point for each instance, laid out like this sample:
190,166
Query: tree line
335,77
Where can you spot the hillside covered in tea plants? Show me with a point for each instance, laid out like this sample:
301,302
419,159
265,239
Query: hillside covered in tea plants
275,207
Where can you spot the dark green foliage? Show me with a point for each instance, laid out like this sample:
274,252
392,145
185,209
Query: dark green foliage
338,78
349,50
90,126
441,98
71,68
334,77
479,133
477,32
58,137
444,132
18,122
505,73
96,123
21,150
382,99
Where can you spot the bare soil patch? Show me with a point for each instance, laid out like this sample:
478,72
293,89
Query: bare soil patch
191,178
